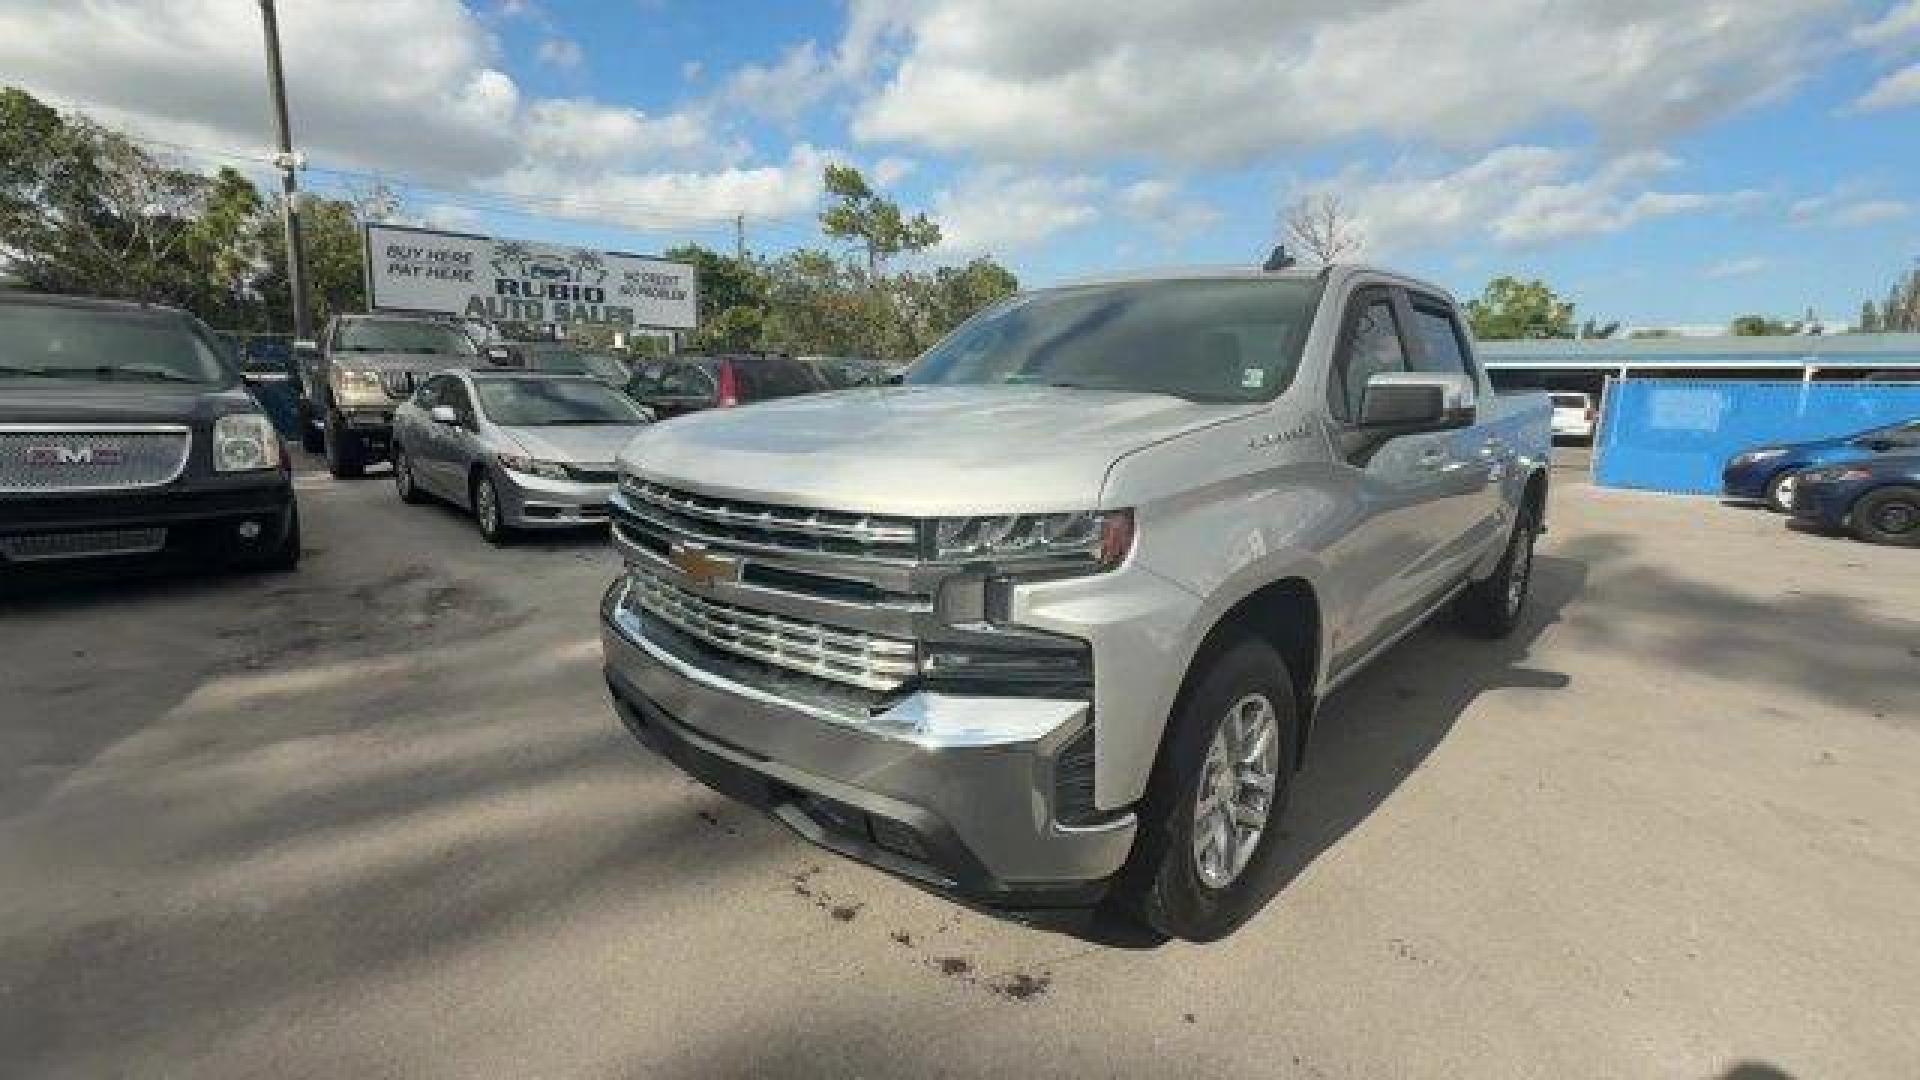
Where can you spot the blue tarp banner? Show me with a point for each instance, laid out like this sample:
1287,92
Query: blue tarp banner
1676,434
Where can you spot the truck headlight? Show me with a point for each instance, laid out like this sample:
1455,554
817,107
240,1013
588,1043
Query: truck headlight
245,442
1097,540
355,387
551,470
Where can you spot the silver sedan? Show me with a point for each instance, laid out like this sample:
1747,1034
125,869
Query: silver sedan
521,451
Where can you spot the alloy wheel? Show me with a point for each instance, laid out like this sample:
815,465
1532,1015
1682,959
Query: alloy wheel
1236,790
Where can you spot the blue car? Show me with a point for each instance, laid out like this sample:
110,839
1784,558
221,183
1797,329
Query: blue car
1769,472
1877,500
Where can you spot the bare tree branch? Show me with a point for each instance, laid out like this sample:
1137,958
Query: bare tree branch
1321,226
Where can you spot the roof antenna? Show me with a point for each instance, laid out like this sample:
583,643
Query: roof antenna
1278,261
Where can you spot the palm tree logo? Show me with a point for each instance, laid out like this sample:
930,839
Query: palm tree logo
586,262
510,253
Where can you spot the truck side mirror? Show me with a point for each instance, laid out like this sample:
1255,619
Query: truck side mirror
1407,402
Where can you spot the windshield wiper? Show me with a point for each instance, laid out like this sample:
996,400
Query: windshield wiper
99,371
16,371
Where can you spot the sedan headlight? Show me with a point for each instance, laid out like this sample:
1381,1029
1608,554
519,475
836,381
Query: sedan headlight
1097,541
353,387
550,470
1761,455
245,442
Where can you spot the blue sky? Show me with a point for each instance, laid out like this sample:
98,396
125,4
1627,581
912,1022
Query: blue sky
1657,162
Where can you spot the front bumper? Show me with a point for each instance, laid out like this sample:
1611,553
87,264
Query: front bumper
201,517
1829,504
535,502
953,792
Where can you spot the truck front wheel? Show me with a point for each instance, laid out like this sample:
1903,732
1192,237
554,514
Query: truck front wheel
1205,861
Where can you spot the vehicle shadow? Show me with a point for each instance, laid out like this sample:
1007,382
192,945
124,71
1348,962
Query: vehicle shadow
1374,732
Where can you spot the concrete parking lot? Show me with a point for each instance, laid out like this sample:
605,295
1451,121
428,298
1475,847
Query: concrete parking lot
376,819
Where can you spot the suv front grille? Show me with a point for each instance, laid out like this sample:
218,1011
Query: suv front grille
42,461
853,657
794,528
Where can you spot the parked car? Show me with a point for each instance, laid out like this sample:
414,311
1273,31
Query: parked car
843,372
127,431
1769,473
366,365
521,451
1573,415
1052,620
674,385
1878,500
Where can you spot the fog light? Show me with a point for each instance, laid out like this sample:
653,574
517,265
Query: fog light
249,530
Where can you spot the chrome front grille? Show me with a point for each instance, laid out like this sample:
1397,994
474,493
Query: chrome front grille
49,460
795,528
398,383
854,657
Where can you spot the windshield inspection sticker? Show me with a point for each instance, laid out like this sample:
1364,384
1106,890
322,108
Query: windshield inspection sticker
1253,378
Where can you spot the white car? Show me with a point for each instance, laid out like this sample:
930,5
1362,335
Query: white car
1573,416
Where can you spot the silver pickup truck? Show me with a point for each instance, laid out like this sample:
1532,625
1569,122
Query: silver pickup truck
1048,623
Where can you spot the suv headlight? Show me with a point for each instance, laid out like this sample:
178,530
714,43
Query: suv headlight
353,387
245,442
551,470
1097,541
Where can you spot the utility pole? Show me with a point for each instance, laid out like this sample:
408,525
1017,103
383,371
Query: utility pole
288,163
740,237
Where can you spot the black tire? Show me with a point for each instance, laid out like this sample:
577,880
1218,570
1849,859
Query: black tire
1492,608
312,439
1779,497
492,523
346,452
1164,883
285,556
1888,515
403,482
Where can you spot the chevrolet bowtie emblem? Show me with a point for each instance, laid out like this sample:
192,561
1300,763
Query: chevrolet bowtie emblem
701,565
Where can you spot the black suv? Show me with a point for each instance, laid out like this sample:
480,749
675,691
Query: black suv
126,431
690,382
365,366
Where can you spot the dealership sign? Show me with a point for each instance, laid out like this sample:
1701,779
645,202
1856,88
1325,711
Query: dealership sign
479,277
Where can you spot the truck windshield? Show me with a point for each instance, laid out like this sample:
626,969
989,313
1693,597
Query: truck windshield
54,342
402,336
553,403
1206,339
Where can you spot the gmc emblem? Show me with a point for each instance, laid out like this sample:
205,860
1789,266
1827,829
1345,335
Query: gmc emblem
58,454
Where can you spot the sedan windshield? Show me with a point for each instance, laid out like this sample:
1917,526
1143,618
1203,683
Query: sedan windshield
553,402
402,336
56,342
1207,339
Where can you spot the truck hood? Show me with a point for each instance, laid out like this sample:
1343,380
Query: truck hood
918,450
584,445
82,402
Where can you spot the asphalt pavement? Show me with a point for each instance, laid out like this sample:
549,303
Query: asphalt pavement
376,819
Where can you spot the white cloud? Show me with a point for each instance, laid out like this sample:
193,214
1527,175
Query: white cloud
1159,205
1893,91
1851,205
692,70
889,171
1236,80
786,89
562,53
1898,24
450,216
1733,268
1517,196
411,89
1000,209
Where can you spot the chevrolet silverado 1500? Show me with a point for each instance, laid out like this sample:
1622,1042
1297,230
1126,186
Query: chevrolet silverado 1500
1049,622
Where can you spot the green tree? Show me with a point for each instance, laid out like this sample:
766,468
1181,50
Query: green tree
84,209
1869,318
1511,309
872,221
336,261
1761,326
1595,330
732,297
